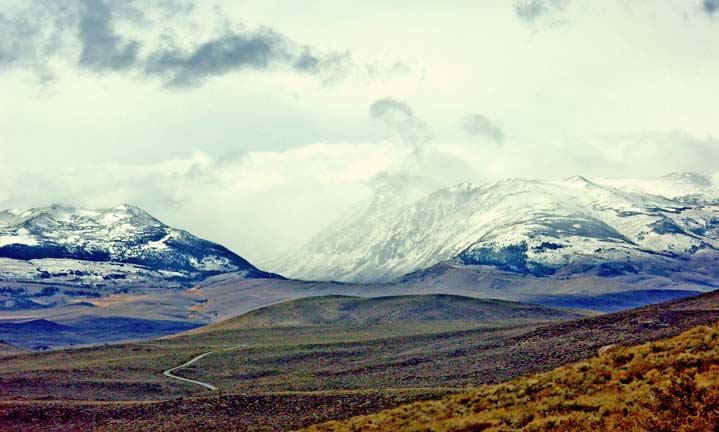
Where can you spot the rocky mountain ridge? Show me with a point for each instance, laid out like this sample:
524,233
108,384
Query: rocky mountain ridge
529,227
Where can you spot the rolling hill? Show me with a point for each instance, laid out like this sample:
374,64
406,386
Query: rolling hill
330,310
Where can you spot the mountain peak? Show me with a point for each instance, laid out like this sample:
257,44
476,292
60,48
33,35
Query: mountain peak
125,235
577,181
131,208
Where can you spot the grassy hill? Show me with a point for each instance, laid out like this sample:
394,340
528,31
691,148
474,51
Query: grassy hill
330,310
669,385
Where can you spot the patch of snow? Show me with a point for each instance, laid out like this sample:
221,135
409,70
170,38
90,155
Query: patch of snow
21,236
212,263
162,243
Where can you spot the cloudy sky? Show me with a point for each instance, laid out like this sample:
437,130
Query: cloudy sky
255,124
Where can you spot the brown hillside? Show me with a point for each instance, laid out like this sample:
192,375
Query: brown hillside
670,385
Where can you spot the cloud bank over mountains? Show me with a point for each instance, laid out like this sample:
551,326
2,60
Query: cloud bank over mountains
248,196
225,117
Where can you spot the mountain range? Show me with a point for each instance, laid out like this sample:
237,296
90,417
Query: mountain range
526,227
603,245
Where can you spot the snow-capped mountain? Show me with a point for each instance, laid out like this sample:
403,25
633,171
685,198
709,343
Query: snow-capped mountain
66,244
523,226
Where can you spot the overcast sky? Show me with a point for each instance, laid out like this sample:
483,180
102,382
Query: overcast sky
254,124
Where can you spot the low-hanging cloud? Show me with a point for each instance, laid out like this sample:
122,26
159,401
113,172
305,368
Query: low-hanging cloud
480,125
84,33
210,195
425,167
400,117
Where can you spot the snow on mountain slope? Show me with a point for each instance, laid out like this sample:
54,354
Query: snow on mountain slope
524,226
683,186
72,244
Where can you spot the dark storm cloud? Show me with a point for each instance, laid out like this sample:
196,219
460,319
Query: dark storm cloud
43,29
102,48
10,47
33,34
710,7
532,10
232,52
85,33
479,125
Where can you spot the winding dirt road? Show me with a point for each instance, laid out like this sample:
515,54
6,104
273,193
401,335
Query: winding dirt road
169,373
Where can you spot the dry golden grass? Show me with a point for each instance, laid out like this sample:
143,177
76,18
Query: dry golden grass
670,385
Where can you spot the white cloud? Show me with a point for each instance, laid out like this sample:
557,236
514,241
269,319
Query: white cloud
256,203
262,203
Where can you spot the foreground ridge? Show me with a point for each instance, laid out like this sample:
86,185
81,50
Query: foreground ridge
669,385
